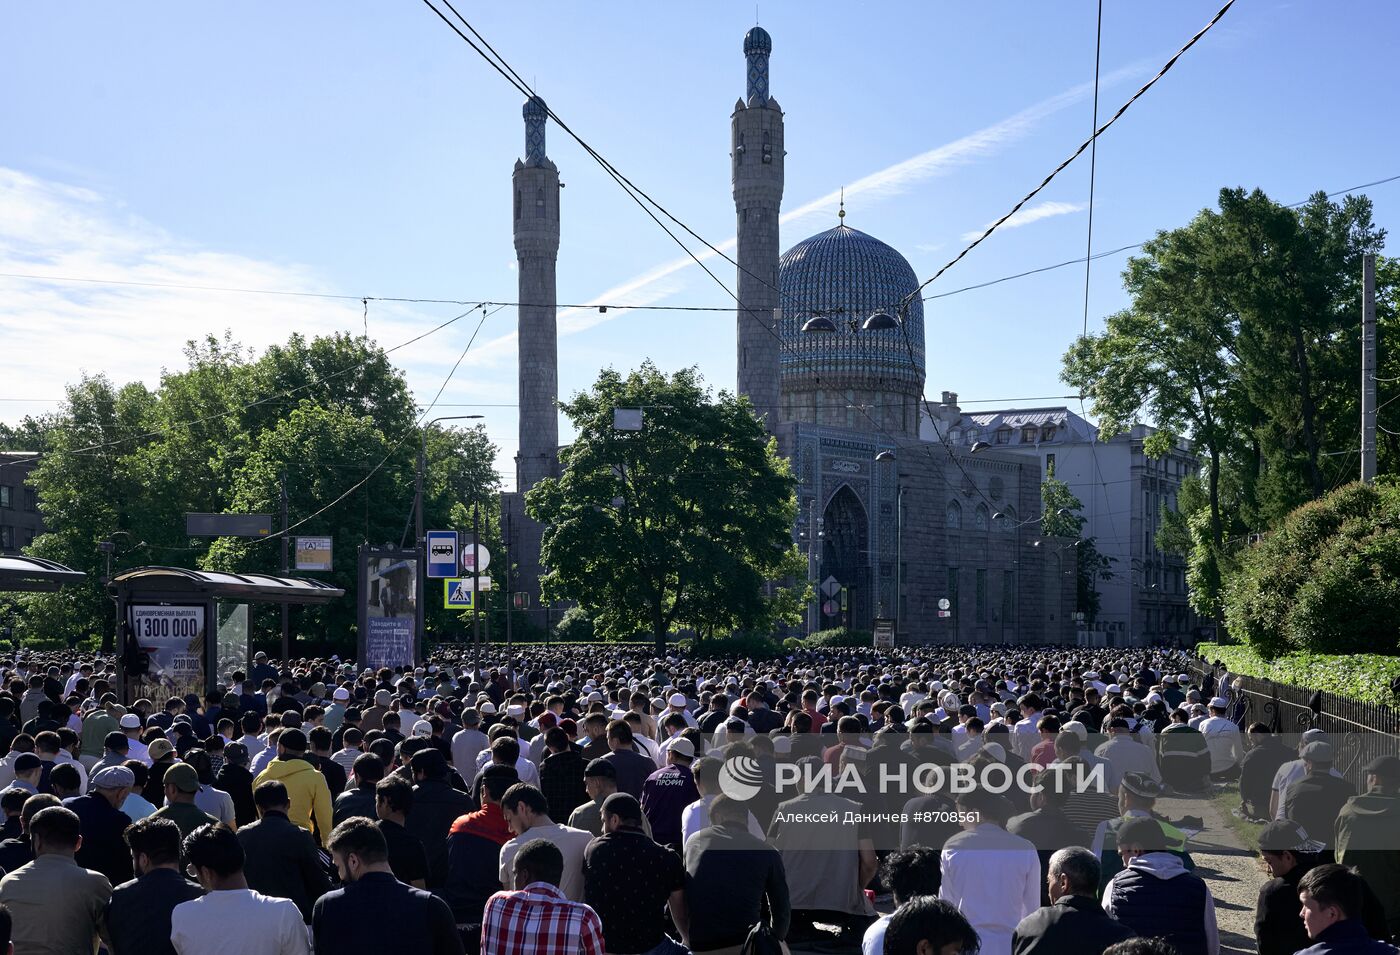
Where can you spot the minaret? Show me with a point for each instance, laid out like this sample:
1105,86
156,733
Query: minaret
536,207
757,158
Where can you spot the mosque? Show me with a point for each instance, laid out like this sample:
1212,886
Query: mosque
937,542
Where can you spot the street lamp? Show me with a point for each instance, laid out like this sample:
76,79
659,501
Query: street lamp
418,542
978,447
888,457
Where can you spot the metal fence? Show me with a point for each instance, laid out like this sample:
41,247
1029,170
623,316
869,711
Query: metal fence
1358,731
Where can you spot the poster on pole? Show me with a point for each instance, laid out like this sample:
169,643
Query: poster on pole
388,607
173,639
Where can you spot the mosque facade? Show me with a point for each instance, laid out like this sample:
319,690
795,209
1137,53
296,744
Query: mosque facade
938,543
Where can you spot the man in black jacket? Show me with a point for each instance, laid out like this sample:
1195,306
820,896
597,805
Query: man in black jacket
103,822
373,911
280,857
137,918
359,799
235,779
561,774
436,806
1289,854
1073,923
734,879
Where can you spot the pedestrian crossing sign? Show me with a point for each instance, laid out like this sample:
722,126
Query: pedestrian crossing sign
457,593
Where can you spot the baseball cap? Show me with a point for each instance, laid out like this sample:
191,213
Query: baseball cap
1142,785
130,721
1219,703
183,777
682,747
422,728
1285,835
160,748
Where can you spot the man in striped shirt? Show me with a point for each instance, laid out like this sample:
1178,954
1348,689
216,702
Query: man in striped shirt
536,918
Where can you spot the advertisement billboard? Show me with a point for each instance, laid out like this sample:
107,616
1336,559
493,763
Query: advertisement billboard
388,607
174,641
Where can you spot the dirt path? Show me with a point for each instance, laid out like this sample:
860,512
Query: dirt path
1232,871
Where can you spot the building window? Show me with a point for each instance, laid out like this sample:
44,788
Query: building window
1049,464
1003,435
28,536
955,436
6,495
981,611
1048,433
980,517
1008,520
954,516
1008,596
1028,434
31,499
539,203
7,538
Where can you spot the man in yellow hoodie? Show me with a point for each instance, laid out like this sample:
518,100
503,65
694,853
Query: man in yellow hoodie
310,796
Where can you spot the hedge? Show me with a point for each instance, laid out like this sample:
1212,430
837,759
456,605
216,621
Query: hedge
1361,676
1327,580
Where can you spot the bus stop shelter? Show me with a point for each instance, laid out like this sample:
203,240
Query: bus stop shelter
183,630
35,575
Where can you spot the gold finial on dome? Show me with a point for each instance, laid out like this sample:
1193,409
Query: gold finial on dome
841,214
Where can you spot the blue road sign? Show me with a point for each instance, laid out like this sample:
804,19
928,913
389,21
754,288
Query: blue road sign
442,554
457,594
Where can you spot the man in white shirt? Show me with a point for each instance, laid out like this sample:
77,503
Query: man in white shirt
696,816
527,813
231,919
1026,734
468,742
1292,771
992,876
130,724
1224,741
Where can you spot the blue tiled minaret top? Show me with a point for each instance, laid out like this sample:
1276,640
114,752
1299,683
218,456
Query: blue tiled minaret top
757,47
535,116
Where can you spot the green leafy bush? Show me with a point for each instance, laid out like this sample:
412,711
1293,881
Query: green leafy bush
574,627
792,644
838,637
1326,581
1363,676
754,645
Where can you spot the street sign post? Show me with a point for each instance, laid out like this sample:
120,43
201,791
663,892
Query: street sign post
831,608
831,587
457,594
313,553
228,525
471,554
944,603
442,554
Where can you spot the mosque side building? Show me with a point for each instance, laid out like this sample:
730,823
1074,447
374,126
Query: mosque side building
943,542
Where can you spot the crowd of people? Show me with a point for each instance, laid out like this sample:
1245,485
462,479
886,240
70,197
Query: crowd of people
601,800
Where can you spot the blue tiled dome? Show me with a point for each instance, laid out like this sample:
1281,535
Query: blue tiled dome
757,40
845,274
534,108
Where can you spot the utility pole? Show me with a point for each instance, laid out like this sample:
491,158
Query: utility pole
476,584
286,620
510,598
419,551
1368,368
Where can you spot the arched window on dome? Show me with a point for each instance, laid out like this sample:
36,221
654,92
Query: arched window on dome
1008,520
980,517
953,518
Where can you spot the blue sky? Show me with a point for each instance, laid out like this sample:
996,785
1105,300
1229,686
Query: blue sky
361,148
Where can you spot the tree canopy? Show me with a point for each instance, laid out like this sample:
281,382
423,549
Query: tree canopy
685,522
1243,336
126,464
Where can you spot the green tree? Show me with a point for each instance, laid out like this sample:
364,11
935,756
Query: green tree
685,522
1242,336
85,496
1061,517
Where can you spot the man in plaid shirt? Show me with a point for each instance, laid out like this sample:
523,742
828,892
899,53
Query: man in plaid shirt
537,919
